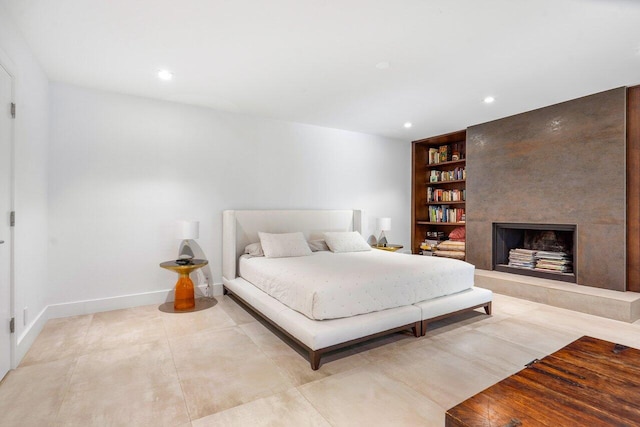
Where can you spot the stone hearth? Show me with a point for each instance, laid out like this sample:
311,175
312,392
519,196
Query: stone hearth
624,306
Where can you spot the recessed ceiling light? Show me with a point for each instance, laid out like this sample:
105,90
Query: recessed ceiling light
165,75
408,125
489,99
382,65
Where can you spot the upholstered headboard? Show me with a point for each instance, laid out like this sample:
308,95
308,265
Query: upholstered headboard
240,228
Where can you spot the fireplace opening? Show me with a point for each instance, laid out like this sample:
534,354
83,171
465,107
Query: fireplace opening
540,250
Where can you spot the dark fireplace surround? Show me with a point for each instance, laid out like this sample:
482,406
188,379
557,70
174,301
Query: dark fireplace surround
540,237
562,164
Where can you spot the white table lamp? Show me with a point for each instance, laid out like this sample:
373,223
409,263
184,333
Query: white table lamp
383,224
187,230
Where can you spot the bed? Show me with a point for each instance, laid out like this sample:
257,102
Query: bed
351,304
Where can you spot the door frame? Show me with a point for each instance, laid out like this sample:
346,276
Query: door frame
9,67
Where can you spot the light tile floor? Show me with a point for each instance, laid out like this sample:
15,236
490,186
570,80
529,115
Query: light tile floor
220,366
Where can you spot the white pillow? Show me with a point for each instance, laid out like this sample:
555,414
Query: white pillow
284,245
346,241
254,249
318,245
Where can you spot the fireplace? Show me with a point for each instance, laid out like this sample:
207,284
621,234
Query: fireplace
540,250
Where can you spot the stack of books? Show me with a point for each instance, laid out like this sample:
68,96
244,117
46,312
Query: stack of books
428,246
559,262
435,235
522,258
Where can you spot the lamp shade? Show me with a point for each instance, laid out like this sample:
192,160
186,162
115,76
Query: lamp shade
187,229
383,224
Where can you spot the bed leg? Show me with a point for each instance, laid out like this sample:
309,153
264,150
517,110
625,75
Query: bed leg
423,328
314,358
487,308
417,329
225,291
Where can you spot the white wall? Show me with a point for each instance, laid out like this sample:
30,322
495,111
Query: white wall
123,169
30,188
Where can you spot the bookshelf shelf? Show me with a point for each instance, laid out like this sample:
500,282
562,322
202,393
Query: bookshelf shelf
444,147
458,224
436,183
445,164
461,202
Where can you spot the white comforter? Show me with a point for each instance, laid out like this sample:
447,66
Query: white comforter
327,285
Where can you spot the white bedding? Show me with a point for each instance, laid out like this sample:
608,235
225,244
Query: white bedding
327,285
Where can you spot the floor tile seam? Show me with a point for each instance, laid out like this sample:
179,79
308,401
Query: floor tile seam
167,380
508,339
281,371
175,337
81,338
488,335
556,326
175,367
553,327
414,391
87,352
435,385
222,306
496,311
487,366
247,402
297,388
419,394
369,358
83,341
67,388
34,365
493,369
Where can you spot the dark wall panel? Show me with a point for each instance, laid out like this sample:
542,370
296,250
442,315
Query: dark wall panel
563,164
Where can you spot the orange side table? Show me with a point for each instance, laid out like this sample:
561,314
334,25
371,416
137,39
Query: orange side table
184,295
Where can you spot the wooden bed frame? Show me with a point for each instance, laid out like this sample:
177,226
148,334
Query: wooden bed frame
315,355
318,337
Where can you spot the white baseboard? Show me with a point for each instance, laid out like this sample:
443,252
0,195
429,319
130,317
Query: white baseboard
218,289
29,335
78,308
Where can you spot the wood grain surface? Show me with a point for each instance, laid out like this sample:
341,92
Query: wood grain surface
590,382
633,189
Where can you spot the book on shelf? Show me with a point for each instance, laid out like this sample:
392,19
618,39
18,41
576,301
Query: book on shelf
456,174
445,153
435,195
434,156
445,213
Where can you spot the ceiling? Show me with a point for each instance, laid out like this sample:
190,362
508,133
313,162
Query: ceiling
315,62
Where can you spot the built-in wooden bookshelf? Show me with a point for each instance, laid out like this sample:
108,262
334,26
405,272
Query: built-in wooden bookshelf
438,188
